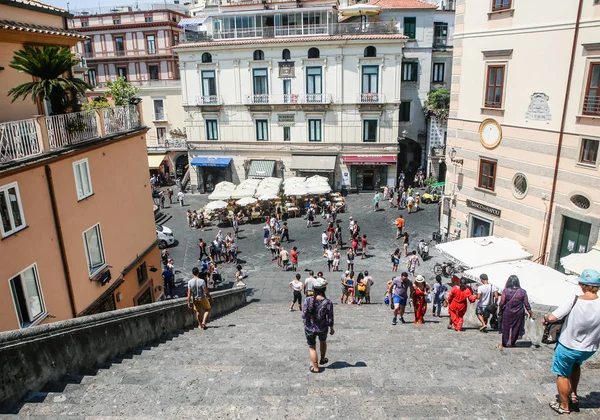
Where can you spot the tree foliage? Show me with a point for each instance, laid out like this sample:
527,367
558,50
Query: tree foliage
48,66
121,91
437,104
96,102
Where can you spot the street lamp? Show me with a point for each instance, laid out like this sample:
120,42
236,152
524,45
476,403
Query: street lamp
400,139
453,158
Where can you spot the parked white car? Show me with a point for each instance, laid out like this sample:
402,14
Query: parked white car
165,236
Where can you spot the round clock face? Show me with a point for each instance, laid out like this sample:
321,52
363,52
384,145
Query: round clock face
490,133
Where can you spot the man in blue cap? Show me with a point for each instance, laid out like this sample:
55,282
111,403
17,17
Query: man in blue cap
578,340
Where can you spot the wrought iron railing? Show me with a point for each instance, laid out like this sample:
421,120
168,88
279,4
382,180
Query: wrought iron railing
591,105
370,98
18,140
73,128
120,118
288,98
208,100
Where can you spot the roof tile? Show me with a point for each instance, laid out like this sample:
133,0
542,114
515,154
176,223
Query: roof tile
402,4
29,27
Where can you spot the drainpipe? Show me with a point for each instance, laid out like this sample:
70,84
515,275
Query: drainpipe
61,241
561,135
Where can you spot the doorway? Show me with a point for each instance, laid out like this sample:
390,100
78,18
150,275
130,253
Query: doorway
368,177
442,172
478,226
575,238
409,159
181,164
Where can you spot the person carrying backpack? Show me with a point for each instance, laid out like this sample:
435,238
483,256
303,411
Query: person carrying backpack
317,314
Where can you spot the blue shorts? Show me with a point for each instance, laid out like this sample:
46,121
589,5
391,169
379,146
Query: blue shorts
399,300
565,358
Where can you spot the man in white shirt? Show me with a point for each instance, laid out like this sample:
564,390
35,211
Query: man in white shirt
309,284
180,197
199,297
324,242
351,225
368,280
487,296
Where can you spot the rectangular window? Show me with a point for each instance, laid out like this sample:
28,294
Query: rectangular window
314,84
85,24
314,130
92,78
260,82
370,79
83,180
438,72
405,111
591,103
27,296
119,46
142,273
501,5
94,249
487,174
161,133
153,72
151,44
287,91
88,48
370,131
175,39
589,151
122,72
410,27
212,130
116,21
262,130
11,209
209,84
287,134
148,19
494,86
440,34
159,110
410,70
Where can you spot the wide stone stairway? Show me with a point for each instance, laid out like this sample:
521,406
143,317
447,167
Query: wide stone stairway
253,364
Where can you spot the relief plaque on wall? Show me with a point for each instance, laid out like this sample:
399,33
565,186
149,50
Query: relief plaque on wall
539,110
286,70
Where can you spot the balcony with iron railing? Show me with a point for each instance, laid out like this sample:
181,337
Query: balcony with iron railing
370,98
208,100
441,42
137,7
44,134
168,143
99,55
591,105
289,99
332,29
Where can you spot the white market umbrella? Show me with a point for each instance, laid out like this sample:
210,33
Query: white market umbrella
216,205
296,189
225,185
220,195
246,201
576,263
267,197
294,179
242,192
476,252
318,189
360,9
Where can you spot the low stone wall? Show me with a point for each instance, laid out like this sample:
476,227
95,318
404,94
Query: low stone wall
32,357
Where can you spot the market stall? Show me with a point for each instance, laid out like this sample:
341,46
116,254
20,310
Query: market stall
576,263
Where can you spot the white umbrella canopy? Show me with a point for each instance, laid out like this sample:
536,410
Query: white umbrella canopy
246,201
360,9
296,189
294,179
267,197
242,192
216,205
318,189
220,195
576,263
225,185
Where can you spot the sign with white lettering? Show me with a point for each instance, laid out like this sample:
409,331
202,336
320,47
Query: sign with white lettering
484,207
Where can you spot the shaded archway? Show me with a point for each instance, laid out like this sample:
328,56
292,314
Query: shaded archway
409,159
181,164
442,172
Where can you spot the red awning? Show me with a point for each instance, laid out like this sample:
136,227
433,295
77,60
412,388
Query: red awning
369,160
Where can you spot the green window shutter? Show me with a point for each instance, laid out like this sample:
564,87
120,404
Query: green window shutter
410,27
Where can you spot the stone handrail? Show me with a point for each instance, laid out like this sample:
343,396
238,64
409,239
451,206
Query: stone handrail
32,357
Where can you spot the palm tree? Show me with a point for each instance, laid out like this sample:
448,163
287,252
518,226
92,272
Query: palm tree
47,65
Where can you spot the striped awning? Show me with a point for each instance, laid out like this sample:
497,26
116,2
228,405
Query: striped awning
261,168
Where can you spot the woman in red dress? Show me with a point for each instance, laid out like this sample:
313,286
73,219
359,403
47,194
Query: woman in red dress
419,298
457,304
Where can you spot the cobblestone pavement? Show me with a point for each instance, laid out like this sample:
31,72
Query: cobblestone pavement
267,282
253,364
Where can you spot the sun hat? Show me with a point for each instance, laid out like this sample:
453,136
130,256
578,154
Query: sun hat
589,277
420,279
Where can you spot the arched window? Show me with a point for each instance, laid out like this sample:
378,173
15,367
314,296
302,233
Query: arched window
206,58
285,54
314,53
370,51
259,55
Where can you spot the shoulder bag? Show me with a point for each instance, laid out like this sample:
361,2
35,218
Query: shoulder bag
492,307
552,330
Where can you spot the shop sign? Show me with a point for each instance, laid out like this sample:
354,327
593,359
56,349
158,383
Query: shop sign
484,208
286,70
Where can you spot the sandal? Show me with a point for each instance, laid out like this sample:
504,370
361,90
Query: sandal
556,407
573,399
324,361
313,370
203,326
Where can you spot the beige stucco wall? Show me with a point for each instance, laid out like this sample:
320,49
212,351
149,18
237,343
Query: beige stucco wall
20,109
19,14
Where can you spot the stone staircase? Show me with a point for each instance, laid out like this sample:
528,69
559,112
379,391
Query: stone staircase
253,364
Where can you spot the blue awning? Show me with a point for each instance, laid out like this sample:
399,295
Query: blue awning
211,161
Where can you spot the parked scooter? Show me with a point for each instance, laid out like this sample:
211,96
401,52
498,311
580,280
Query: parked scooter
423,249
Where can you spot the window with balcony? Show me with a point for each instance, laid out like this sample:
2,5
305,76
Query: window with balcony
410,27
405,111
440,34
151,44
212,130
439,70
119,46
314,84
209,83
148,19
370,131
260,86
258,55
161,133
83,179
159,110
314,130
591,103
410,71
262,130
94,249
494,86
206,57
589,151
287,134
92,78
122,72
88,48
27,296
11,210
314,53
487,174
498,5
370,51
153,72
370,81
